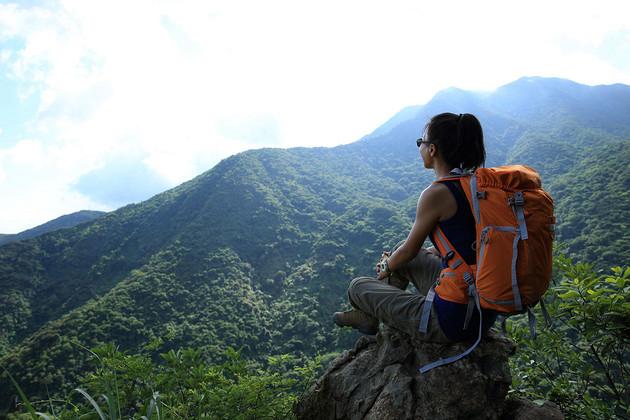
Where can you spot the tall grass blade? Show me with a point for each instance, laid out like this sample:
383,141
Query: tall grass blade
25,400
117,397
110,406
76,343
150,410
50,404
91,400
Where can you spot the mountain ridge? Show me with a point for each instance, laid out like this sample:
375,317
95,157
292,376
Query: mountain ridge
254,253
62,222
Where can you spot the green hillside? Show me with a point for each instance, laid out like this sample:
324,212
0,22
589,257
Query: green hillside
257,252
63,222
593,204
246,259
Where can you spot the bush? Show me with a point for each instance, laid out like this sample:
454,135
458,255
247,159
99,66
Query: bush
182,385
581,362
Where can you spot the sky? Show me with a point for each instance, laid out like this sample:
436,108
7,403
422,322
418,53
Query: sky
104,103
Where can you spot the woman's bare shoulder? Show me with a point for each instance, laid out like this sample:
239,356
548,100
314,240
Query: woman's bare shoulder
435,192
438,197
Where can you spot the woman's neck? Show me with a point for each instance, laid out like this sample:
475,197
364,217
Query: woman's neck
441,169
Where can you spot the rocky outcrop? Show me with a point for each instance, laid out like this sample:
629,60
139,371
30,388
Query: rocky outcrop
519,409
379,379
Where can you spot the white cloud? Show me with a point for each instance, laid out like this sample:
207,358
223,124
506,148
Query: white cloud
182,85
35,187
26,152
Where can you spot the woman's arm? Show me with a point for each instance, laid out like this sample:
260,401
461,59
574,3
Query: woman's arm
435,203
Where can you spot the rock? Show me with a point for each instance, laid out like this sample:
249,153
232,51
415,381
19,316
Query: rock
379,379
520,409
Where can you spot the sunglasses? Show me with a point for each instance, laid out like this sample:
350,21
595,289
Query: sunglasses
420,141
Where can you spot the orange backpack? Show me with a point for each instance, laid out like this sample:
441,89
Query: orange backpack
514,233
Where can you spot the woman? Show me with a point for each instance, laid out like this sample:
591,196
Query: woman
451,144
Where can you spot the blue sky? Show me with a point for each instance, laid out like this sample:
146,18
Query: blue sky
106,103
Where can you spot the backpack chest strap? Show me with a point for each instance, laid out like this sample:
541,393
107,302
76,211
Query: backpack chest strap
456,281
450,257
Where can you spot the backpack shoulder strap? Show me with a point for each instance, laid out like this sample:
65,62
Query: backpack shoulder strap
468,181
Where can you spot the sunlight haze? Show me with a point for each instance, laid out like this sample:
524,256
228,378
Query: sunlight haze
107,103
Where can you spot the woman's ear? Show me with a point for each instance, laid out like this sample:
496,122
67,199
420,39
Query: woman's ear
432,150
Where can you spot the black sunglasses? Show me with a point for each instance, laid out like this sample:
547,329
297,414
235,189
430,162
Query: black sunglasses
420,141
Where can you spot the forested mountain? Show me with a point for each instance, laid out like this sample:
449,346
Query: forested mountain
63,222
257,252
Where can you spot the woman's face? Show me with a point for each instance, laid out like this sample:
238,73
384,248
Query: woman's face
425,154
427,151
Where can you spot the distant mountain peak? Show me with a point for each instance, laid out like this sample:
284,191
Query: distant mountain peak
538,82
405,114
455,95
62,222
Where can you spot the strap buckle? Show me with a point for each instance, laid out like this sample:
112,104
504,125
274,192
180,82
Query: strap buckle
517,200
469,279
449,255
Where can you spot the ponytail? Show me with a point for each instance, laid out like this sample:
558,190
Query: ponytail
459,139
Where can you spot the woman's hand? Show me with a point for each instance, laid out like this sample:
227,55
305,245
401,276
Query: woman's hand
380,273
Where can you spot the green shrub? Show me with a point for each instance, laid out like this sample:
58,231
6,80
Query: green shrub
582,362
180,386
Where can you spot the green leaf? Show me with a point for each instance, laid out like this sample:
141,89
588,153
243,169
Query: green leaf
91,401
569,295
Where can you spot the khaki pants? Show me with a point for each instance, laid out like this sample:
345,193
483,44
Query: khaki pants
389,302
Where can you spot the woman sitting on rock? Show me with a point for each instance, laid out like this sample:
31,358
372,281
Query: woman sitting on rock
452,144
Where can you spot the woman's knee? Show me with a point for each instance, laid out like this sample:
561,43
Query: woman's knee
358,281
355,285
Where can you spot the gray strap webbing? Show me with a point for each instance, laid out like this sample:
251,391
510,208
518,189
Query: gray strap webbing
520,216
481,250
532,322
456,264
426,311
475,199
472,291
442,362
517,295
448,249
443,242
459,172
469,311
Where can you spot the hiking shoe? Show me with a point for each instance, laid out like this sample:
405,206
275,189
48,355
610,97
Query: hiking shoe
359,320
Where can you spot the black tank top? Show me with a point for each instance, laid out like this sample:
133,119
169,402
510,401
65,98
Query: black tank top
460,229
